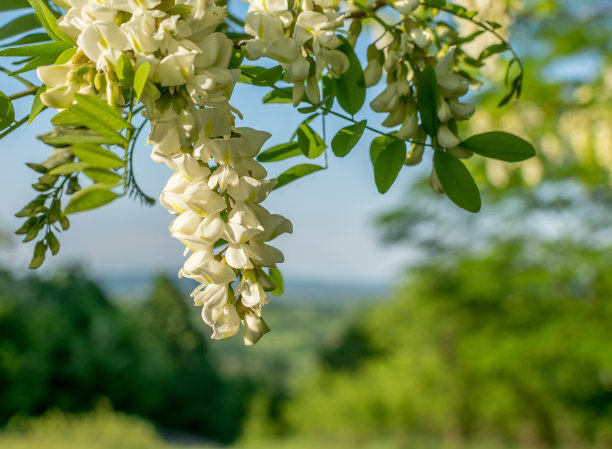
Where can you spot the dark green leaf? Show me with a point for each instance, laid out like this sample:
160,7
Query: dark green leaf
346,139
280,152
310,143
7,112
19,25
53,243
8,5
500,145
388,163
268,77
297,172
39,255
349,88
236,59
427,100
37,104
28,39
91,197
457,181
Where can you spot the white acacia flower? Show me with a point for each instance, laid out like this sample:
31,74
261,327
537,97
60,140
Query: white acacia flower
225,324
203,268
103,42
254,328
238,236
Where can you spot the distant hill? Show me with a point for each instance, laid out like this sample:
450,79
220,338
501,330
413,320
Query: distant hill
137,285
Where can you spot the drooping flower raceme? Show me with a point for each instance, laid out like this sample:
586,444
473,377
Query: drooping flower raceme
217,186
304,43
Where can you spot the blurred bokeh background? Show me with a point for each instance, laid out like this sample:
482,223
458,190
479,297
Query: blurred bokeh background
406,323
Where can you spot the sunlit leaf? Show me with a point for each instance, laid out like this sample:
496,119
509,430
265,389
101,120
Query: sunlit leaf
346,139
91,197
297,172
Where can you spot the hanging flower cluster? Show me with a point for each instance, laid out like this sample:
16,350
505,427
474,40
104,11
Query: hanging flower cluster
403,59
217,186
304,42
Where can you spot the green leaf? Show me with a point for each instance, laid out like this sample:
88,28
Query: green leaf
19,25
35,63
39,255
47,49
28,39
388,163
310,143
98,116
437,3
96,156
378,144
7,112
350,88
140,78
248,72
37,104
284,95
65,118
280,152
427,100
125,71
67,169
277,278
236,59
8,5
500,145
53,242
297,172
66,56
268,76
49,22
346,139
102,176
91,197
457,181
493,50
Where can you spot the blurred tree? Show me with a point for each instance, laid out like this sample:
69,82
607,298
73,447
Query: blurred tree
64,344
512,347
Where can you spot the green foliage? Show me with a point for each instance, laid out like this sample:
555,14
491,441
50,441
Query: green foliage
510,346
64,344
100,429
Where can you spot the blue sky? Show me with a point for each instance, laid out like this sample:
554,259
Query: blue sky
332,211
